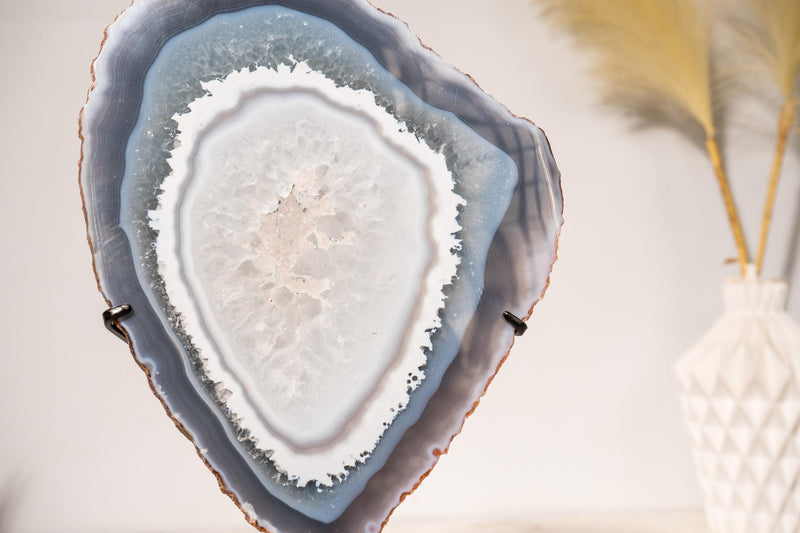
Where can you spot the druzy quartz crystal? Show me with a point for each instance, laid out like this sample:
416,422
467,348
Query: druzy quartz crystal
319,225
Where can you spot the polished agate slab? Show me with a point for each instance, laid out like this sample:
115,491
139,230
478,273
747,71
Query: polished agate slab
319,225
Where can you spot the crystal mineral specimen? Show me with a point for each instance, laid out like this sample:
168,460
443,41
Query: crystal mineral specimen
318,225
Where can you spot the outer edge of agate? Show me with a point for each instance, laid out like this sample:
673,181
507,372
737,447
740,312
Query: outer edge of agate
121,325
485,388
180,427
437,453
80,157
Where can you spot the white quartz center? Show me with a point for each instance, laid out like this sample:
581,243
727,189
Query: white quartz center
305,238
308,235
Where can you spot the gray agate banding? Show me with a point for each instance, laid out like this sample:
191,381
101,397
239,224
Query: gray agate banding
318,224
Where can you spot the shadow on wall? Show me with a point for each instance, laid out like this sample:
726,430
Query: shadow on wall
10,498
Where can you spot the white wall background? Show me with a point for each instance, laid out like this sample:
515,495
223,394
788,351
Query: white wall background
583,417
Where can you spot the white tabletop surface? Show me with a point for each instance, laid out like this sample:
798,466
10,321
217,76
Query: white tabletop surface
689,521
662,522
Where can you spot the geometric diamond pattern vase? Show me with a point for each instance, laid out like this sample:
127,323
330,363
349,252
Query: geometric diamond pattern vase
740,394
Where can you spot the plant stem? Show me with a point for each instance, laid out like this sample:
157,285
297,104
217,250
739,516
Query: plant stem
785,123
727,197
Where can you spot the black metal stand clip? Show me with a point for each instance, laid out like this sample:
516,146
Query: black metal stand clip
112,316
520,327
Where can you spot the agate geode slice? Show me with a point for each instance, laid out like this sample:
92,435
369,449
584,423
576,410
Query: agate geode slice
318,224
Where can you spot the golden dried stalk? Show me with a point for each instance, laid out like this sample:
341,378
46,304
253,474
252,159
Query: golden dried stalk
771,33
785,124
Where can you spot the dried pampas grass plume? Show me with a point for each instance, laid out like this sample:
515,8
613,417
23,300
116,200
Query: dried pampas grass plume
770,31
649,54
653,57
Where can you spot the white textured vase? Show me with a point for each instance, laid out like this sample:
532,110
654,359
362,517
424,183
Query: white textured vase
740,387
